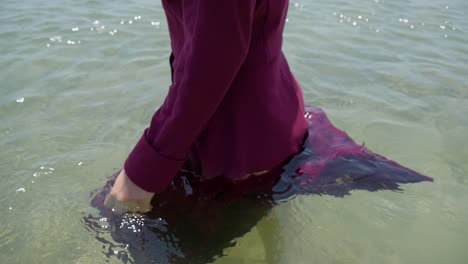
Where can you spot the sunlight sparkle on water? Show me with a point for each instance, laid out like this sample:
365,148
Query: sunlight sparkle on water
402,62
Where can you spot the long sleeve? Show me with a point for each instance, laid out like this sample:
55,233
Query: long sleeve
218,34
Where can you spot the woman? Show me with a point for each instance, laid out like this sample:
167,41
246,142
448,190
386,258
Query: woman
234,109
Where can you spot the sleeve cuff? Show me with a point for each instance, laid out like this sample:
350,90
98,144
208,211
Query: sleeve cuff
150,170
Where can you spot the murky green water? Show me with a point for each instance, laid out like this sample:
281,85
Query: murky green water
79,80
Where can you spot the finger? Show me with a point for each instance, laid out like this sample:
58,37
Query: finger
137,206
115,205
143,206
132,206
109,201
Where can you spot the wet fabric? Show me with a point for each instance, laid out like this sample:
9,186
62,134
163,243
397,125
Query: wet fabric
193,221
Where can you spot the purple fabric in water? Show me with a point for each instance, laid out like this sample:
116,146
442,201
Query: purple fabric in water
192,221
332,163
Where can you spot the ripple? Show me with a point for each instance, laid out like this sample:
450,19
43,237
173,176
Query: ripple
78,87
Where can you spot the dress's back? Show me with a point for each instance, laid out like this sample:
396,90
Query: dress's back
234,106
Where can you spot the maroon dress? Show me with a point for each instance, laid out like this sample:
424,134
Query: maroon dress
234,106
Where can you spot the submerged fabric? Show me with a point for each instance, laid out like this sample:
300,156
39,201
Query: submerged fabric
332,163
193,221
234,107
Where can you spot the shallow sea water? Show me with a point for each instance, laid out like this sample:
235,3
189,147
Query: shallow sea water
79,81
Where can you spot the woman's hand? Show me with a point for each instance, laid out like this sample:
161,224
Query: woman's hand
125,196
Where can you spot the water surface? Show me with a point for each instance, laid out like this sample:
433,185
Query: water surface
79,81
